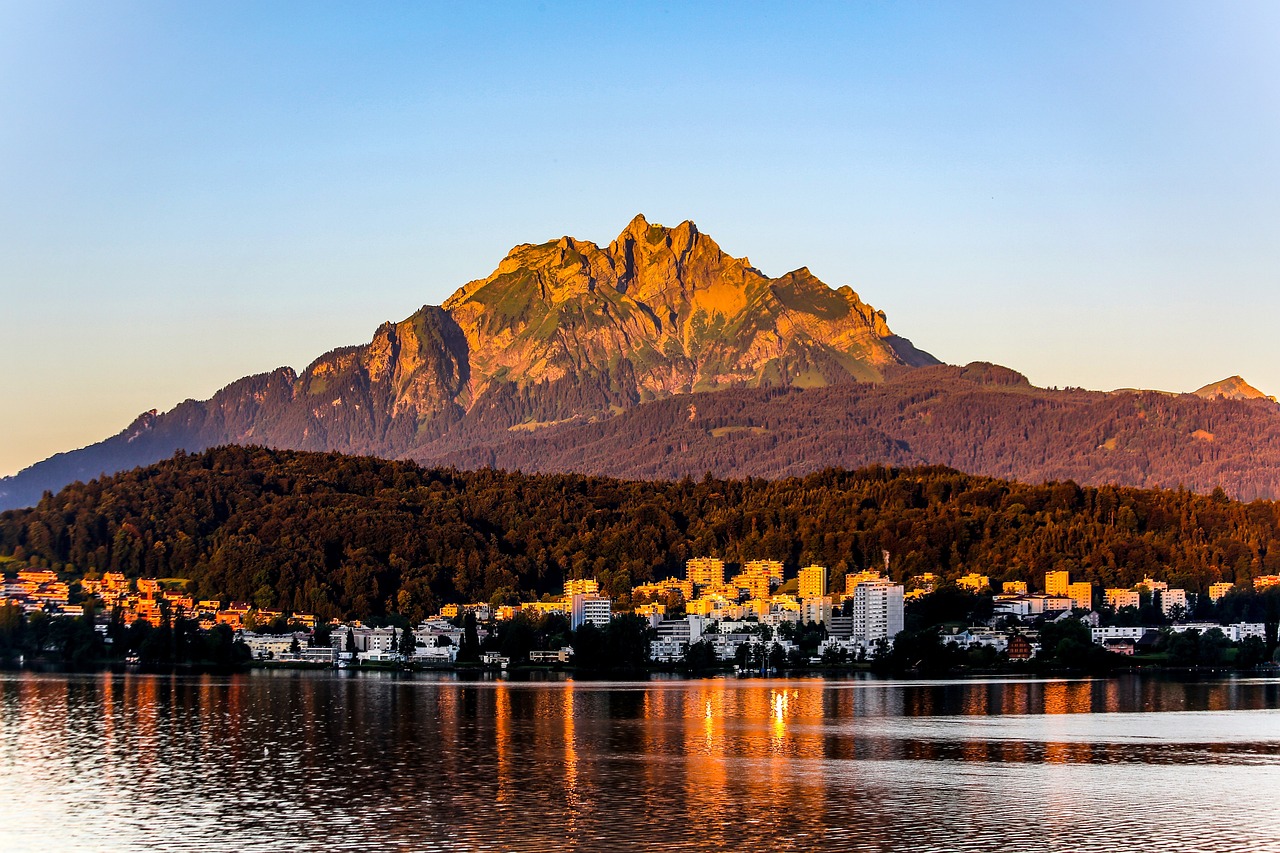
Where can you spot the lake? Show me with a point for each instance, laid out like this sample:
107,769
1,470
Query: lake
271,761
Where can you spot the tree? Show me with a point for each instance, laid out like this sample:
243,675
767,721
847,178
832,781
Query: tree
408,644
469,648
295,648
700,656
1253,651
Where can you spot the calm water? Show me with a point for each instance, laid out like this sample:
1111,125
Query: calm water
320,761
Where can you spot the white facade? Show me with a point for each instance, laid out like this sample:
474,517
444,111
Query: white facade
1101,635
816,609
1171,598
877,611
594,609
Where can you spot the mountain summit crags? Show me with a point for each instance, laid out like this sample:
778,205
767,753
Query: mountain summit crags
561,330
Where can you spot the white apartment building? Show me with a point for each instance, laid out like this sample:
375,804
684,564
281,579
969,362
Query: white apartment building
877,611
594,609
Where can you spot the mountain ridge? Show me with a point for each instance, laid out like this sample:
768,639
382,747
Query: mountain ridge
559,330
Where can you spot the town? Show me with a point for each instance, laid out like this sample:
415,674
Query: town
751,621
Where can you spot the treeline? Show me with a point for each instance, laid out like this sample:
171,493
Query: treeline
75,641
361,537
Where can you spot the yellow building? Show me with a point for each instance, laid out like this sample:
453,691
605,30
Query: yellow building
974,582
851,581
1081,595
1218,590
705,571
1118,598
1056,583
755,577
583,586
1014,588
813,581
772,569
923,584
1265,582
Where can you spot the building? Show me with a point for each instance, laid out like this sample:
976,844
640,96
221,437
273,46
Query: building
1023,606
1014,588
1081,595
1235,633
813,582
851,581
924,584
1118,598
840,627
1102,636
674,638
705,571
588,608
877,611
816,608
1218,590
551,656
585,586
1265,582
757,577
1019,647
1168,599
974,582
1056,583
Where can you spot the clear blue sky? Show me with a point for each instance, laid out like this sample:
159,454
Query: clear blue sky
195,191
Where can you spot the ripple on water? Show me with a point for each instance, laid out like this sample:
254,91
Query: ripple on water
321,762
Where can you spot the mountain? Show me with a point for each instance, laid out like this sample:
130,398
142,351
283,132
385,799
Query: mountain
560,330
980,418
1231,388
357,537
661,356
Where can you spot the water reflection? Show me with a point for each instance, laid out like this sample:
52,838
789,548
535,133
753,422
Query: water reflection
345,761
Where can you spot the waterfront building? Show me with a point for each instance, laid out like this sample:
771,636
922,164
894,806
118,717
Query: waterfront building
877,611
1019,647
674,638
561,655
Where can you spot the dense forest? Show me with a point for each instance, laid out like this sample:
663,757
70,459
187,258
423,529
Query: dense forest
357,536
981,419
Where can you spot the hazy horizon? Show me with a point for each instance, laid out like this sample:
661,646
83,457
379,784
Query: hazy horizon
1086,193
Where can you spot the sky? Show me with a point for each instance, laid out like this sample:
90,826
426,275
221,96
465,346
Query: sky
191,192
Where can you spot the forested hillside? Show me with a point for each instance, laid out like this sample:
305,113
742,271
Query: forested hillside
981,419
356,536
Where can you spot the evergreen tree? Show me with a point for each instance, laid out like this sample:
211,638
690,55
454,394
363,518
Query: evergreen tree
469,649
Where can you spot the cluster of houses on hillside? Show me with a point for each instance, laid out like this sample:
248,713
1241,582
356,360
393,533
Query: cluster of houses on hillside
724,612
